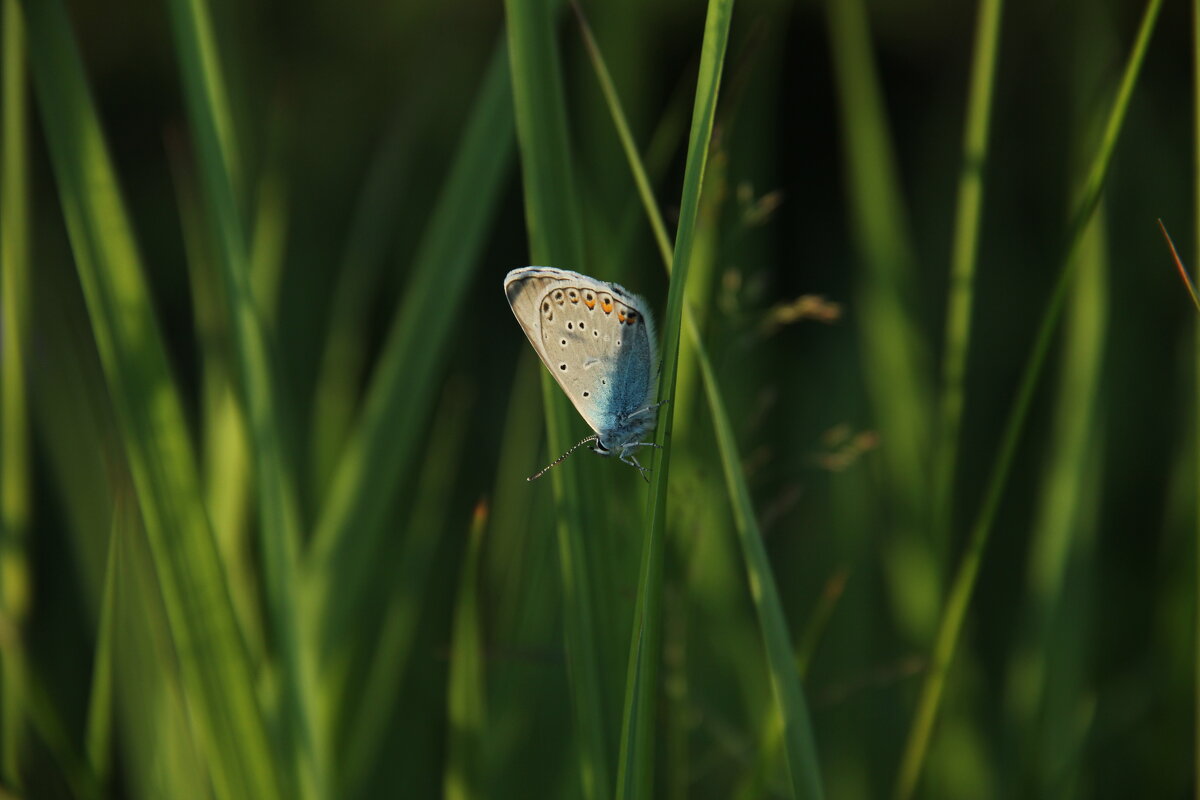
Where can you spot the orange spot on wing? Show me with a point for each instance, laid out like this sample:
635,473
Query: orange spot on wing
606,305
590,303
620,315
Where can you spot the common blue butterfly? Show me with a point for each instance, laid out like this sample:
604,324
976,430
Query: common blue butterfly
597,340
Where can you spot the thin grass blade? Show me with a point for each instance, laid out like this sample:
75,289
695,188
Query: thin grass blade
366,724
384,440
555,238
635,775
960,297
466,776
99,723
15,316
1196,260
803,764
958,599
214,666
279,524
1179,267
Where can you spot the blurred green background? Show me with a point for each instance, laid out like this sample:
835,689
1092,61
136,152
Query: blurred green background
267,418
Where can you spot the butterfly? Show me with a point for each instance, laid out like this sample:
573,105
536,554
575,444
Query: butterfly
597,340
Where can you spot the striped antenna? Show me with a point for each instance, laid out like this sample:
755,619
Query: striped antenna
559,460
1187,281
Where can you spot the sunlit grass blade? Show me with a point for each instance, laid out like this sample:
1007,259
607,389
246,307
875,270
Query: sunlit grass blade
15,315
958,599
960,296
1183,273
279,524
555,237
802,760
635,776
150,703
466,775
224,456
215,670
366,723
383,442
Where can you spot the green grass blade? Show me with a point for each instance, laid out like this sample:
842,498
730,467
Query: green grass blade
151,707
279,523
802,761
894,355
384,440
99,724
635,777
1196,260
785,677
15,463
555,239
343,358
393,651
958,600
225,460
466,711
960,297
216,673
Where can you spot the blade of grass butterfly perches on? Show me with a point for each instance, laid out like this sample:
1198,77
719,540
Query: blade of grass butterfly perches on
1187,280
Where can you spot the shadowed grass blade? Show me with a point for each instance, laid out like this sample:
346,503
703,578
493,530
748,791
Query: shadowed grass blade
216,674
894,355
15,305
366,724
403,386
785,679
959,597
279,524
555,239
343,358
1196,260
635,778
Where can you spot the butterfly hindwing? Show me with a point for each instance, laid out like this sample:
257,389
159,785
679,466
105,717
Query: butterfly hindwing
596,338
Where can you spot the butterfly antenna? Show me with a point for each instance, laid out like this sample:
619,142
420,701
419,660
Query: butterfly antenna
561,458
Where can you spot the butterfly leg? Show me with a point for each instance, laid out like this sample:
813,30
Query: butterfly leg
633,462
646,410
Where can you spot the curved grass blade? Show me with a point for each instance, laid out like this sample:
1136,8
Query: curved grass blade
383,441
960,297
635,777
279,522
213,663
555,238
15,316
957,601
802,761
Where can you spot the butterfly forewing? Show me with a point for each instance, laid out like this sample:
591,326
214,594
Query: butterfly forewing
596,339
